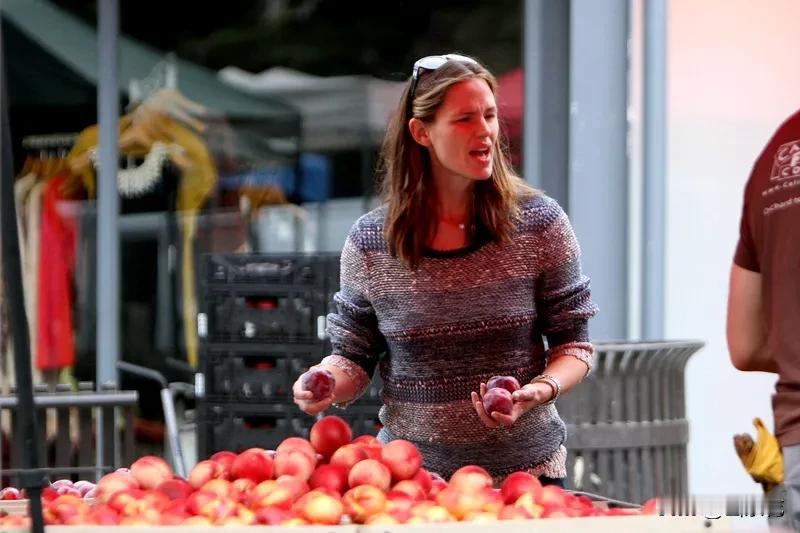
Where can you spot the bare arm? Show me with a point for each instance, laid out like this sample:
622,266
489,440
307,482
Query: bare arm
569,370
745,323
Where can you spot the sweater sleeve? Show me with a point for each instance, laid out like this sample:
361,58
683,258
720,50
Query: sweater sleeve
353,326
563,295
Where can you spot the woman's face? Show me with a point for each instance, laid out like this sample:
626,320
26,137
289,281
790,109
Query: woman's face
463,132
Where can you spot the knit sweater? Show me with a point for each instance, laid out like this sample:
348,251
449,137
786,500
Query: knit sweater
459,318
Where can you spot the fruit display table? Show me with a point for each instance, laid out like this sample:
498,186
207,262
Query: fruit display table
598,524
14,508
359,484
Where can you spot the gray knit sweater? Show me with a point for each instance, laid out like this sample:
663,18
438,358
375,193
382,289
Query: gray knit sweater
461,317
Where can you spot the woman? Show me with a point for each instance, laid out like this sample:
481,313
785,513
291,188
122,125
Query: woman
457,278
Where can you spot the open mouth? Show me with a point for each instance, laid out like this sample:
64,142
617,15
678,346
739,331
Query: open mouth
483,155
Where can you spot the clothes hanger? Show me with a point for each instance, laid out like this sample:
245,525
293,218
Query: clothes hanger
36,166
147,127
163,117
50,164
138,134
161,127
139,130
27,166
174,103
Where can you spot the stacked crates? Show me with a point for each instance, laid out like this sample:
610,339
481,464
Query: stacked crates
261,325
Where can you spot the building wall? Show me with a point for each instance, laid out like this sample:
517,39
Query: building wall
733,76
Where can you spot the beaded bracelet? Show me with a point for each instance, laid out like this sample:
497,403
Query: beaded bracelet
553,382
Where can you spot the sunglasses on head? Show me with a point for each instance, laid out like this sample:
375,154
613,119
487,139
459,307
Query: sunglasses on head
432,63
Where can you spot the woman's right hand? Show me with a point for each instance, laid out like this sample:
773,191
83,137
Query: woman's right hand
305,399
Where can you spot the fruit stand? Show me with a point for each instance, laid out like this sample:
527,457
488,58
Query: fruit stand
600,524
654,524
597,525
330,482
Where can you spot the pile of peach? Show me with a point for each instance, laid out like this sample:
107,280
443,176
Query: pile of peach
330,478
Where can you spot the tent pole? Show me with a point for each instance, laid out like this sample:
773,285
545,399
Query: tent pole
655,164
107,215
32,477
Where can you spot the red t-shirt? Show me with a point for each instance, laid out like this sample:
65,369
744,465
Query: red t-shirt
769,243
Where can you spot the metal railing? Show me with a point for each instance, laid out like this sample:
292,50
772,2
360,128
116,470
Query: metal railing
71,450
626,424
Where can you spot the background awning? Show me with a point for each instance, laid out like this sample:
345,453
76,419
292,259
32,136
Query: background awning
52,59
339,112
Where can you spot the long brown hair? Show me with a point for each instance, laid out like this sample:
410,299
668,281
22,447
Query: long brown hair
406,183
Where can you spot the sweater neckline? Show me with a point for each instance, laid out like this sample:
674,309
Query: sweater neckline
473,246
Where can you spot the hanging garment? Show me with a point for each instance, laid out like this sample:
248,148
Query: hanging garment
55,346
30,276
142,179
22,189
197,182
147,186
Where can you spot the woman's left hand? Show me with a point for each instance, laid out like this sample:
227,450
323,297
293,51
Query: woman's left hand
525,399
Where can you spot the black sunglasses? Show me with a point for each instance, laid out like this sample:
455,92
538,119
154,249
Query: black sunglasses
431,63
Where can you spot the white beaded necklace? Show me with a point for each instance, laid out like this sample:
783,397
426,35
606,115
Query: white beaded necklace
138,181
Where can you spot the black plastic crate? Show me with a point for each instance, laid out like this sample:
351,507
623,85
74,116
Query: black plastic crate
362,417
332,273
264,379
256,375
373,394
251,378
271,269
266,316
263,431
313,351
236,427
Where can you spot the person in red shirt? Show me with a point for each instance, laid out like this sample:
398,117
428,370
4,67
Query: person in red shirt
763,319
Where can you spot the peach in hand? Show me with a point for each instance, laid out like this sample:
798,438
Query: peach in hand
499,400
509,383
319,382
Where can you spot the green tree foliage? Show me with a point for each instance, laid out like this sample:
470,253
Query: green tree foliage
325,37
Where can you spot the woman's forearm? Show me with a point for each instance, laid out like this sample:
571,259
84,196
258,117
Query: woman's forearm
346,389
568,370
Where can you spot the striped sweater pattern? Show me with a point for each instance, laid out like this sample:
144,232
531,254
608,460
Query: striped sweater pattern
438,331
